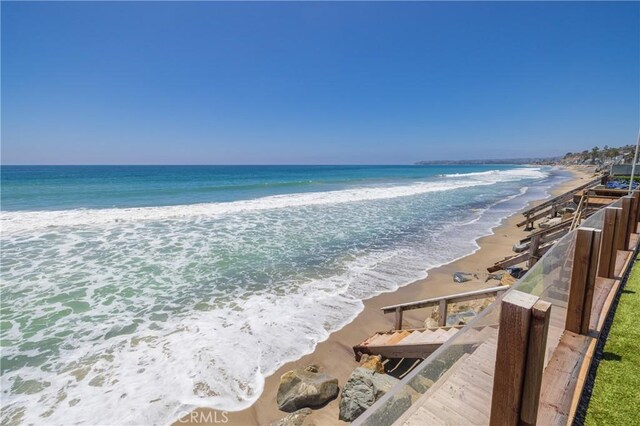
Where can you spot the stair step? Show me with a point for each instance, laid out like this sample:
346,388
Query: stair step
377,339
397,337
415,338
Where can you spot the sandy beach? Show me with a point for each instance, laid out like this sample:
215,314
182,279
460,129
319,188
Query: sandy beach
335,355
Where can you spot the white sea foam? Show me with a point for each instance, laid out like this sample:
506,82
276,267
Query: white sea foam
12,222
135,317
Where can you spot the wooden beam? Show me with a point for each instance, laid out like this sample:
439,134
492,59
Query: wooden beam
511,354
630,200
442,313
583,276
626,210
538,331
619,238
398,322
514,260
607,263
533,251
561,197
451,298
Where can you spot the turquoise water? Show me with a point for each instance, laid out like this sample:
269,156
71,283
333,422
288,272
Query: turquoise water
136,293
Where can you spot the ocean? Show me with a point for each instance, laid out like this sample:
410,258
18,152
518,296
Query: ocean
134,293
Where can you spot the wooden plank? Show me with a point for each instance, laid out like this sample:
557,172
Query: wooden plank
623,260
511,261
562,225
620,225
606,264
591,281
555,200
533,251
560,378
626,210
451,298
627,205
538,331
422,350
513,339
583,276
398,321
442,313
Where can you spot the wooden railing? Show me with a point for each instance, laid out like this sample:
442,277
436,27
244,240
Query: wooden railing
550,207
442,303
534,383
524,321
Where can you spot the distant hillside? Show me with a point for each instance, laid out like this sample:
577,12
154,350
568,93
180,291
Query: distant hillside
492,161
602,158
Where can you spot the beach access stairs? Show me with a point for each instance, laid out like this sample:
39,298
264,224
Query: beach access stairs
532,363
421,342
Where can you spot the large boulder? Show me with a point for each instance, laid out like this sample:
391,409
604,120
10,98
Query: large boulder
305,388
294,419
363,388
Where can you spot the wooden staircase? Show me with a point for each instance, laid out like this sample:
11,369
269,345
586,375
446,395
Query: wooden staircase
415,343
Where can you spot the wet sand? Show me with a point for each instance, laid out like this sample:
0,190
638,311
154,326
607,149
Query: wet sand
335,355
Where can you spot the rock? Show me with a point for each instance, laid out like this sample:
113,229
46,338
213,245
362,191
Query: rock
312,368
430,323
294,419
549,222
373,363
302,388
363,388
519,248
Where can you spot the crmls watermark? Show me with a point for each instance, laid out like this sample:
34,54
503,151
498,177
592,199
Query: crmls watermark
204,417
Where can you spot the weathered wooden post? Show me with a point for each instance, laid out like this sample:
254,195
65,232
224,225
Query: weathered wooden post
511,357
442,313
583,278
398,322
534,244
608,249
538,330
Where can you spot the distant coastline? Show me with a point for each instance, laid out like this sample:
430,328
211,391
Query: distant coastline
537,160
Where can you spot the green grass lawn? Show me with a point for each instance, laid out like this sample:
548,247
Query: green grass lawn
616,394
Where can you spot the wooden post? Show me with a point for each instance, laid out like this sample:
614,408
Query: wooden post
620,229
634,211
583,278
606,266
538,330
533,250
442,313
511,357
636,195
630,221
398,318
626,209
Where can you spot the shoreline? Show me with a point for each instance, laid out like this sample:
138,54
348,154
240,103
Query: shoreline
335,356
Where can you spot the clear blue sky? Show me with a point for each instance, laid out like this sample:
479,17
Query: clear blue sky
263,83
